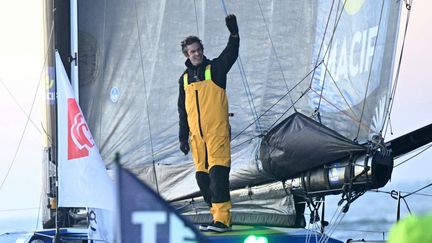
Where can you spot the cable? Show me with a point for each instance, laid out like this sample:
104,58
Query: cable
274,49
393,93
28,117
370,70
414,192
423,150
145,92
18,209
271,107
387,192
321,46
245,83
196,17
340,93
20,107
39,210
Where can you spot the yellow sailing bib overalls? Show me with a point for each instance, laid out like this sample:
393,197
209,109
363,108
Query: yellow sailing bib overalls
207,114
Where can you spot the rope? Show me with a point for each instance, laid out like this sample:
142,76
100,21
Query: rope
29,114
245,83
387,192
414,192
370,70
20,107
340,93
196,17
393,93
39,210
274,49
333,219
17,209
271,107
321,46
145,92
423,150
328,48
289,108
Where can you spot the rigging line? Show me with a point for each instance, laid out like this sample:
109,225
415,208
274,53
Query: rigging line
249,94
337,223
289,108
337,19
271,107
415,155
245,83
321,46
396,81
246,141
196,17
346,114
17,209
406,204
333,224
332,228
387,192
145,94
20,107
366,231
334,31
371,68
340,92
414,192
274,49
100,133
336,214
39,210
37,88
28,117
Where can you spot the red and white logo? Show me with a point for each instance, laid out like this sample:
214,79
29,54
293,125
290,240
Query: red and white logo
80,139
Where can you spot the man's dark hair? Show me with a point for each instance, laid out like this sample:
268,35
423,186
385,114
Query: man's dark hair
189,41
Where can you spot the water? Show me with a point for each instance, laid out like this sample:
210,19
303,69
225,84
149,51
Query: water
370,217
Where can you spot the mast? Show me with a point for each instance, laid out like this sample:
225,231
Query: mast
74,47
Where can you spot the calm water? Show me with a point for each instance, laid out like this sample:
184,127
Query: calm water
369,217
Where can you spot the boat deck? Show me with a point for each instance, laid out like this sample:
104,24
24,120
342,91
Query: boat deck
255,234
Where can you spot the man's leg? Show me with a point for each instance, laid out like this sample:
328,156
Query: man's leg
219,188
199,154
219,158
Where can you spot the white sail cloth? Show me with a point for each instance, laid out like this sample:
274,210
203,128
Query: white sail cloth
82,178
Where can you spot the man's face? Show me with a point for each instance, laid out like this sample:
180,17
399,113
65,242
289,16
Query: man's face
195,53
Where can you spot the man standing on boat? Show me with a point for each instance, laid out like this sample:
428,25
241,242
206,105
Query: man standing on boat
203,113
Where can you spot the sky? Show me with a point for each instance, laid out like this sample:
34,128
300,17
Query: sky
21,66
